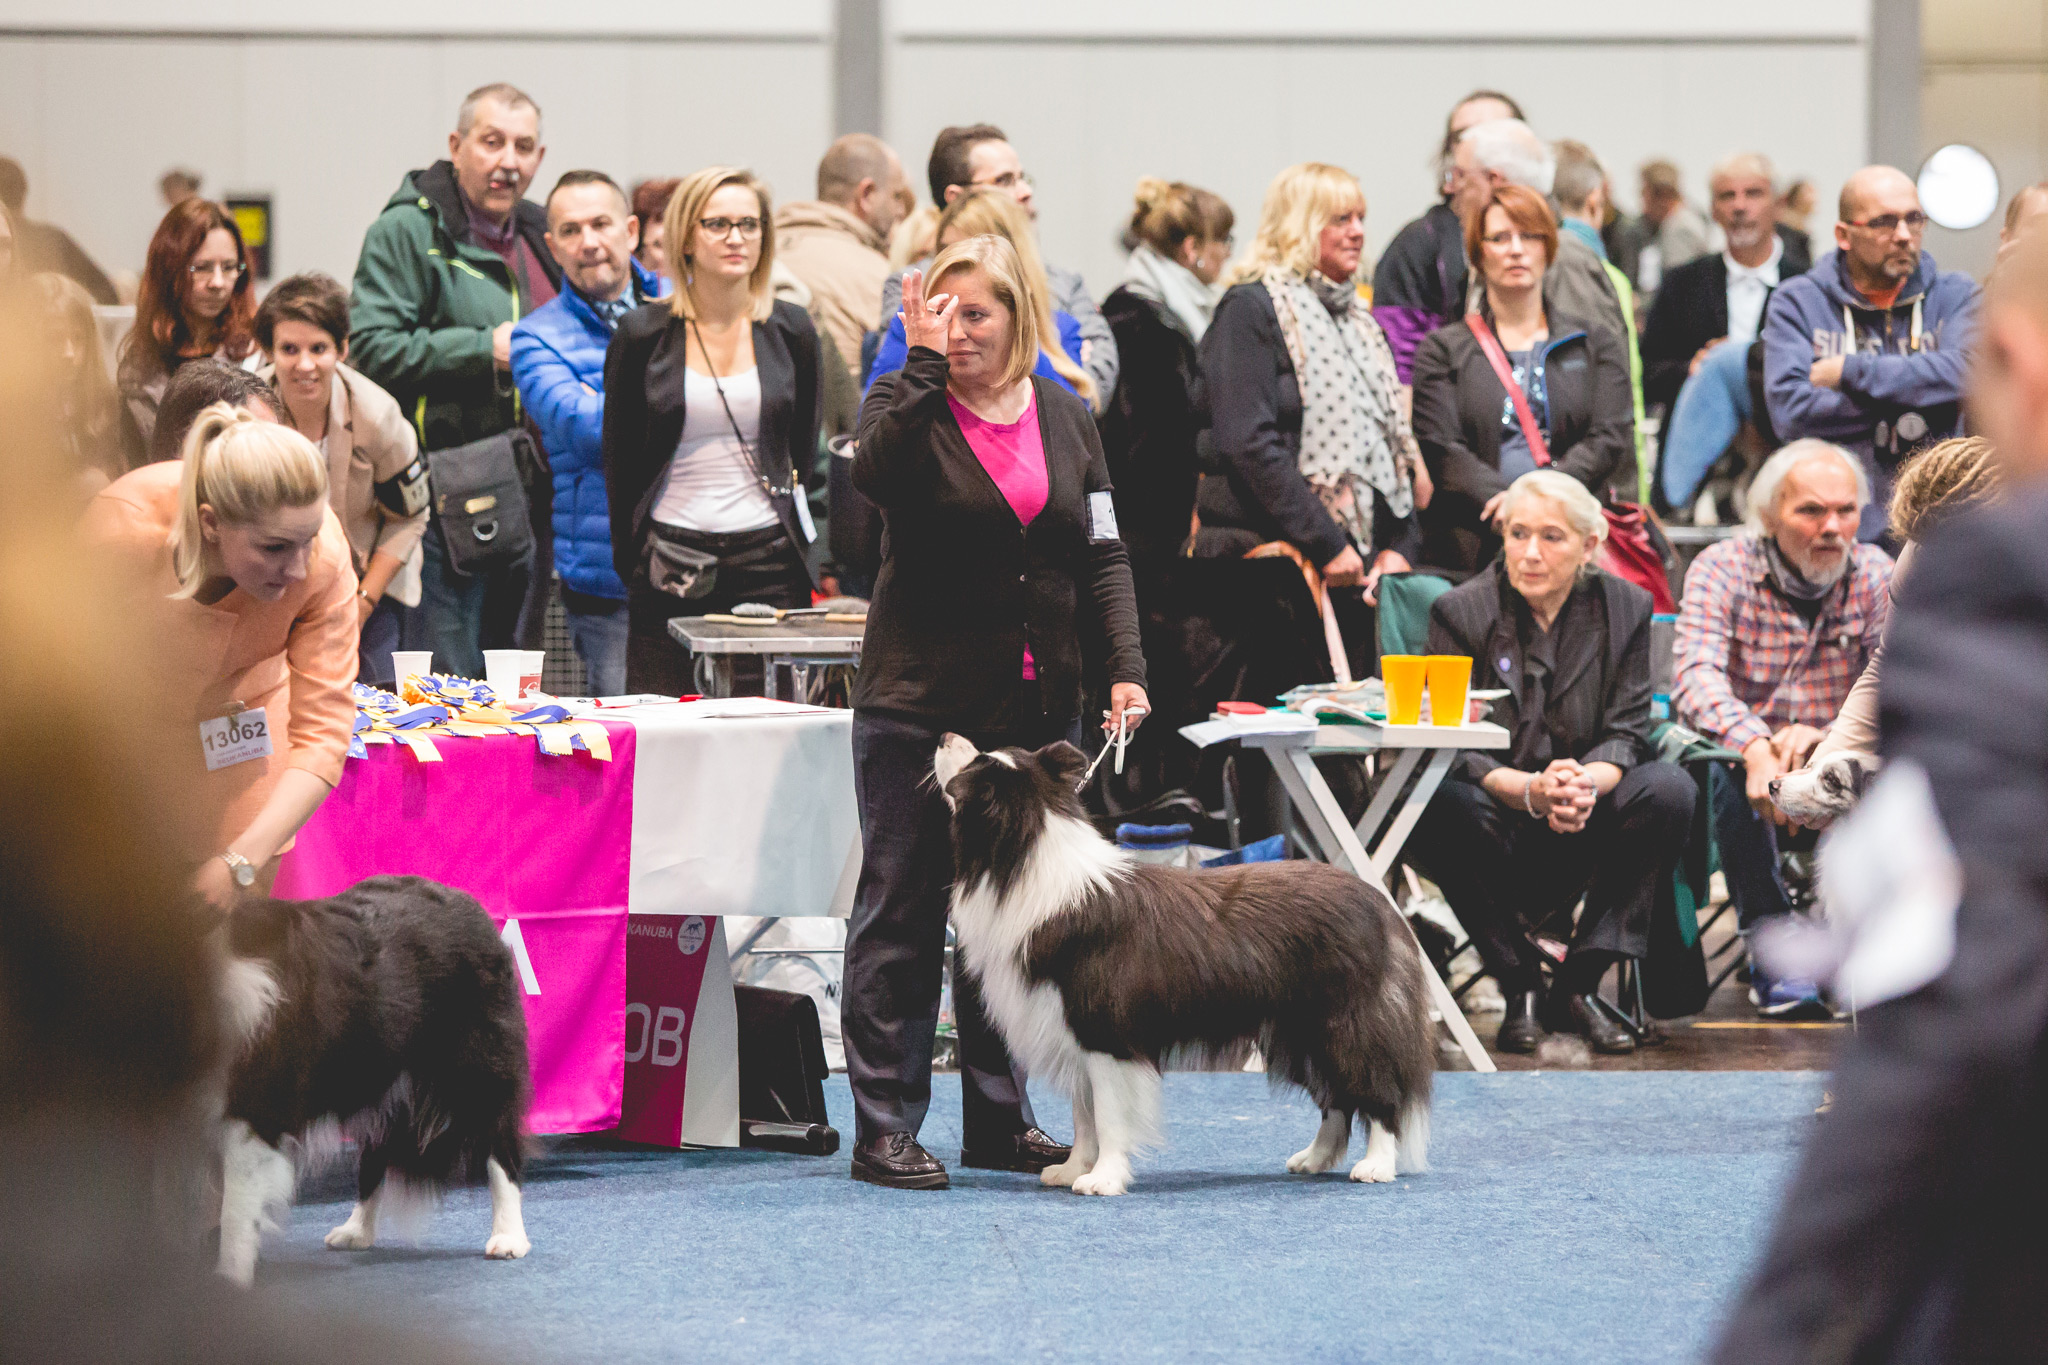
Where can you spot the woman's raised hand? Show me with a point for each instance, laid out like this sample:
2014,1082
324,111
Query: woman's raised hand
926,322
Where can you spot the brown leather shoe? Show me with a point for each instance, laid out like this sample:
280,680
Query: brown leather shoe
897,1161
1030,1152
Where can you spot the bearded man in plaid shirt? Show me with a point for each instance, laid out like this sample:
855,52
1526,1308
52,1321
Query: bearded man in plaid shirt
1775,627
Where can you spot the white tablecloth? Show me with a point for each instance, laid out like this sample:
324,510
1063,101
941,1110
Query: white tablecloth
742,806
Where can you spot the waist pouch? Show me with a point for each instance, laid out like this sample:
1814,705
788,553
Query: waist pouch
684,563
480,501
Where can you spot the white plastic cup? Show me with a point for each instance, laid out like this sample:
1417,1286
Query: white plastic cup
410,663
502,668
532,663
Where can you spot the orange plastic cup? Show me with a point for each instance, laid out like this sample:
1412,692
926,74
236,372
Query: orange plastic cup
1450,683
1404,675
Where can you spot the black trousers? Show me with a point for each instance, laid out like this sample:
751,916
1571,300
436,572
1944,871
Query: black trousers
1504,873
753,566
896,940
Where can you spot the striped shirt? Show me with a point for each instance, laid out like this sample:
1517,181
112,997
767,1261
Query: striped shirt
1748,664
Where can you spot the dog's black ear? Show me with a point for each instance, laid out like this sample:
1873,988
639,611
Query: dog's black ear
1063,761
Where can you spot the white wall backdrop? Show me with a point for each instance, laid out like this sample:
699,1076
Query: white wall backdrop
325,112
327,125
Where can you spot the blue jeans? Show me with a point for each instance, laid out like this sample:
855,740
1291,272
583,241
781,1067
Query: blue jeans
1750,845
598,626
1710,409
461,615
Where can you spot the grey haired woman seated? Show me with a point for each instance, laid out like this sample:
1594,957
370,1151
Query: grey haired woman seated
1572,807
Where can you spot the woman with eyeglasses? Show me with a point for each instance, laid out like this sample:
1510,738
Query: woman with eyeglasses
196,299
711,414
1575,414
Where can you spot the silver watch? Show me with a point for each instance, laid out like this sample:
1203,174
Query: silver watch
240,868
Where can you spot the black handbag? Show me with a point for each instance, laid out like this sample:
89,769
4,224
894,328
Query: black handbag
480,501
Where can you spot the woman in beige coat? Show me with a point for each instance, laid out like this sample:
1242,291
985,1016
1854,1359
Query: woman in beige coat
376,480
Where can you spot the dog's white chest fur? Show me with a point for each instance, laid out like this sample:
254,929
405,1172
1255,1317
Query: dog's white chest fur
1069,860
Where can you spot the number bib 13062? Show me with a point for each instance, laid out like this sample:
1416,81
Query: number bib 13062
229,740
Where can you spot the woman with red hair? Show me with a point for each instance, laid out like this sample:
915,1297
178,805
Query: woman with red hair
1571,374
196,299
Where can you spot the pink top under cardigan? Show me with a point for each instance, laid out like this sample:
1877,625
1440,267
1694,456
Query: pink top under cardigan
1013,453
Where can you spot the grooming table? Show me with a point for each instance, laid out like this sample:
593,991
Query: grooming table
1293,752
798,645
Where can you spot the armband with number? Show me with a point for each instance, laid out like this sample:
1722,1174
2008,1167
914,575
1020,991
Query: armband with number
406,491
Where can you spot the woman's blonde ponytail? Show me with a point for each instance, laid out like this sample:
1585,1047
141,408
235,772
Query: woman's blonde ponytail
244,468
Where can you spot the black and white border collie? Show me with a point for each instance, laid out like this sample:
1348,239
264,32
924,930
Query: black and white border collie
391,1013
1823,792
1096,968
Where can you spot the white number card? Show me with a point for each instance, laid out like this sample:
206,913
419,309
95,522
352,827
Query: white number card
234,739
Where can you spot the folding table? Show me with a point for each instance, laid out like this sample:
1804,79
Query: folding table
1356,849
797,644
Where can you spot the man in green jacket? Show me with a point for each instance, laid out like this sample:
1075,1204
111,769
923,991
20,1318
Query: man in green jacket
458,255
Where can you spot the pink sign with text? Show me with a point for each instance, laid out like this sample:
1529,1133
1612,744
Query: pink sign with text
665,957
545,844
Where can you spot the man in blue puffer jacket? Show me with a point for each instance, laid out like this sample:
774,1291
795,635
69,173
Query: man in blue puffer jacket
1868,349
558,363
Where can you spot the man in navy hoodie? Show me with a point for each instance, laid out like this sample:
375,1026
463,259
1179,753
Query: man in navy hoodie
558,363
1869,348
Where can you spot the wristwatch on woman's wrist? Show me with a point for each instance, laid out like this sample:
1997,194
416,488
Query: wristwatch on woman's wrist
240,868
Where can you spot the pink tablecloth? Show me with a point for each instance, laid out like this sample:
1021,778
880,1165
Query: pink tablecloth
545,844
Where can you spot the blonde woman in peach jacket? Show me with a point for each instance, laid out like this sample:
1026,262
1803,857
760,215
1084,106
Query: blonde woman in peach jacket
242,576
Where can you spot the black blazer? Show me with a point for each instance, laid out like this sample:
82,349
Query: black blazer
643,416
1692,309
963,588
1598,706
1149,427
1458,403
1252,490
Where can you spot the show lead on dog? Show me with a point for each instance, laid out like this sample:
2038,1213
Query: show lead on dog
246,583
1002,560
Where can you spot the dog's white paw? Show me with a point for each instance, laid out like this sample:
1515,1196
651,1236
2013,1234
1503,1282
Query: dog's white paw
1102,1182
351,1236
1312,1160
1377,1169
1066,1173
507,1246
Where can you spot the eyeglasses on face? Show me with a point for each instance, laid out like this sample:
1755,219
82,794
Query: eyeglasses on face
1915,221
205,270
748,228
1009,180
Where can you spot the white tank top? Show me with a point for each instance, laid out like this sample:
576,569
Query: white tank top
711,484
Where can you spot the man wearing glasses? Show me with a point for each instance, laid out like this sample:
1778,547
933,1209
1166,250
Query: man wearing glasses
1869,348
970,157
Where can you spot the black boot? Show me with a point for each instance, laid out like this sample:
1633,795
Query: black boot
1520,1030
1581,1014
896,1160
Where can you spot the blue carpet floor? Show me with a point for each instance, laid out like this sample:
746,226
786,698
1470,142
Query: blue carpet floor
1571,1216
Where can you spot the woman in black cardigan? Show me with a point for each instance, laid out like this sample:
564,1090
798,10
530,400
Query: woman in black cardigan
1001,561
1571,807
711,414
1573,372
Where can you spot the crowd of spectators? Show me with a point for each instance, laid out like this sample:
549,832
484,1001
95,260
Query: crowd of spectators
1488,404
